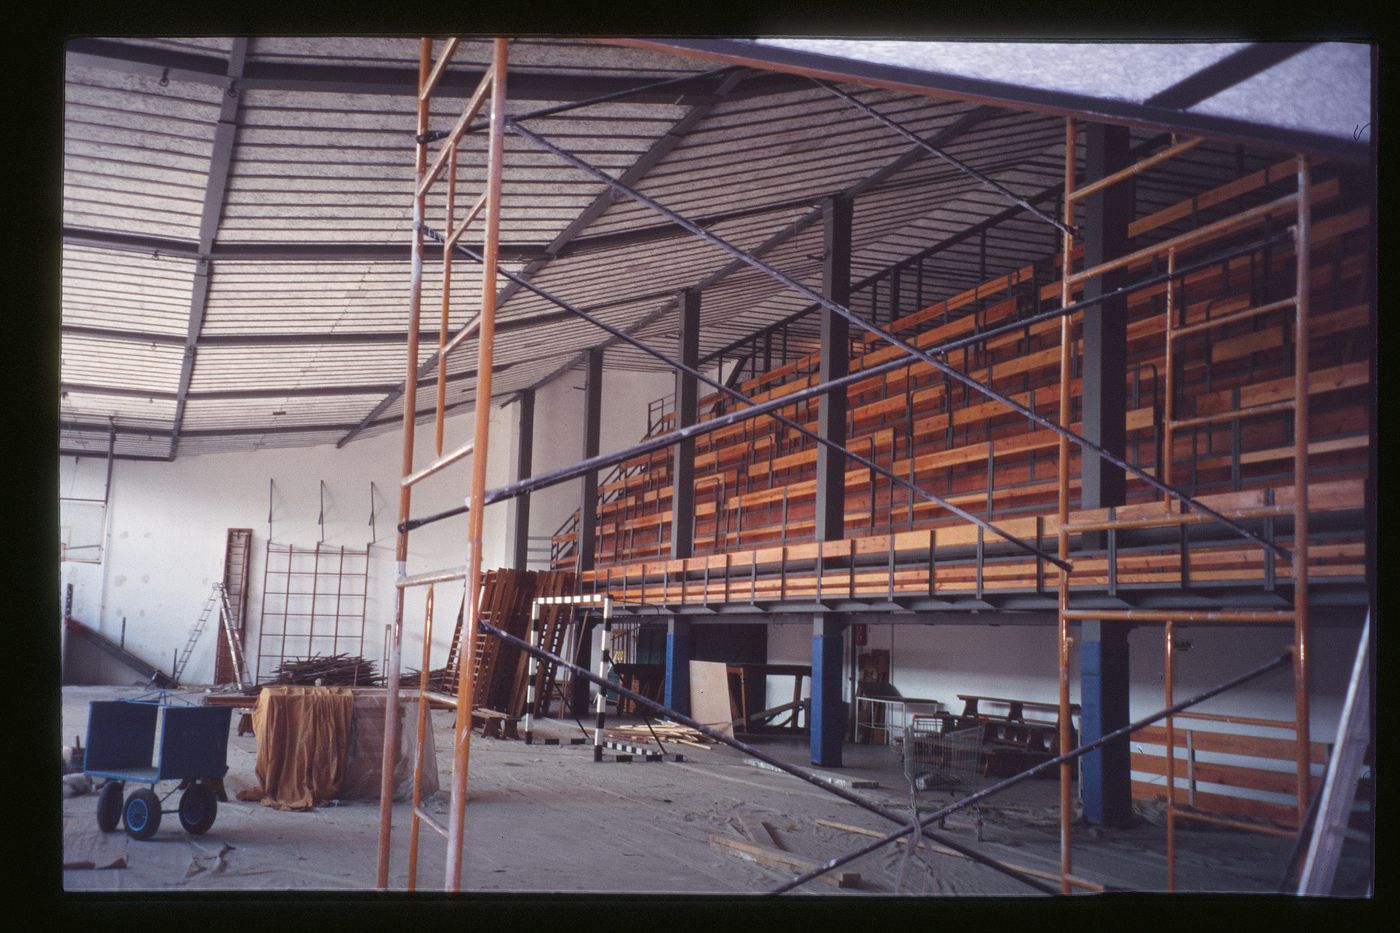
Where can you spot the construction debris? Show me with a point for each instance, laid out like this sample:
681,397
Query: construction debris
339,670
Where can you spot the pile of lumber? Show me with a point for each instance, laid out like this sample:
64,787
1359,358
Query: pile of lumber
667,732
500,671
338,670
440,680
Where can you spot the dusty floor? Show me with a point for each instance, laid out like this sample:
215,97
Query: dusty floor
548,819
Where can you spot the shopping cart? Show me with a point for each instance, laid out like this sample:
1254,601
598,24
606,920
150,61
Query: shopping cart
943,755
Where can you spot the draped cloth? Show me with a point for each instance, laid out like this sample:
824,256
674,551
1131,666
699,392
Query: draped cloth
303,743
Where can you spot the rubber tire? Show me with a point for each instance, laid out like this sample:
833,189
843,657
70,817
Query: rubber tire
142,813
109,806
198,808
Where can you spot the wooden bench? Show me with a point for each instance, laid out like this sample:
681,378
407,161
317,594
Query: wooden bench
1012,743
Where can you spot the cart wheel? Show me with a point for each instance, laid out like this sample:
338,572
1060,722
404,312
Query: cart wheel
109,806
142,813
198,807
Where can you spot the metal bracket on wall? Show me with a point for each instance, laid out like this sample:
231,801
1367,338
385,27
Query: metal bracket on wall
373,534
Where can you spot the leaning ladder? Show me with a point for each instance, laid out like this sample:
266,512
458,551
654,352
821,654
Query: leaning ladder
230,626
195,631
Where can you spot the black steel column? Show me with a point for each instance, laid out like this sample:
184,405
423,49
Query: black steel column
1103,653
588,513
687,413
1107,215
524,454
835,363
592,422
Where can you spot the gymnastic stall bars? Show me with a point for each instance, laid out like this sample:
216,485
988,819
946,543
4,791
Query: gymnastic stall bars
489,96
1297,203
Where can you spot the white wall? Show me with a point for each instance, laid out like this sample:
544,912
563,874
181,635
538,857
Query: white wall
168,523
558,440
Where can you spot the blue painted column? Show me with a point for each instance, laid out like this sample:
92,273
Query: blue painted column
677,695
1105,775
828,710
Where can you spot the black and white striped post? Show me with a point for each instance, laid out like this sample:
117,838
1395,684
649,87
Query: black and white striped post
603,635
603,639
534,666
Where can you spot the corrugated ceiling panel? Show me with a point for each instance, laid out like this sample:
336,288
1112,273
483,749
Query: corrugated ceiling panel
219,368
133,291
121,364
91,408
135,153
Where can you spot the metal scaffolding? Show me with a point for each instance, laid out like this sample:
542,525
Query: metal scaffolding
1300,201
1178,502
488,203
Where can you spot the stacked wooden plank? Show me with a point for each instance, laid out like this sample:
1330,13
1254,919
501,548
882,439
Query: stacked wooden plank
500,672
338,670
667,732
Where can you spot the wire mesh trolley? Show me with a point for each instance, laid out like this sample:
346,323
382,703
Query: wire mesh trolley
147,740
953,756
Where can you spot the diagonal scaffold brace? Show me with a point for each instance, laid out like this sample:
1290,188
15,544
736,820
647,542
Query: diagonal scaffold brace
894,340
739,396
1123,732
806,775
758,409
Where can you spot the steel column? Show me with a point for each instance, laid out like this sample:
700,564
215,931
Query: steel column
834,364
687,413
828,716
524,462
1105,775
1105,325
677,695
592,424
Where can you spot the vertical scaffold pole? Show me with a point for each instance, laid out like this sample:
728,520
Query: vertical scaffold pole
391,672
461,744
1300,487
1168,681
1066,417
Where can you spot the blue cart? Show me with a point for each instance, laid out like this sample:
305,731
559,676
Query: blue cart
122,748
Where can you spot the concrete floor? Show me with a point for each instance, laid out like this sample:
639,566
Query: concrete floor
548,819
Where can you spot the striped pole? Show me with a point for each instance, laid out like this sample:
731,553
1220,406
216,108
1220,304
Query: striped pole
530,683
602,705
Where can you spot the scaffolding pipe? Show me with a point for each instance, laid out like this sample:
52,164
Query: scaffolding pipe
461,745
955,163
391,672
1062,628
1302,259
532,484
971,799
887,336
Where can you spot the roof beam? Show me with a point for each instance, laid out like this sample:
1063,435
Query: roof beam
273,252
1004,94
644,163
950,132
220,158
197,68
268,392
105,430
1226,73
